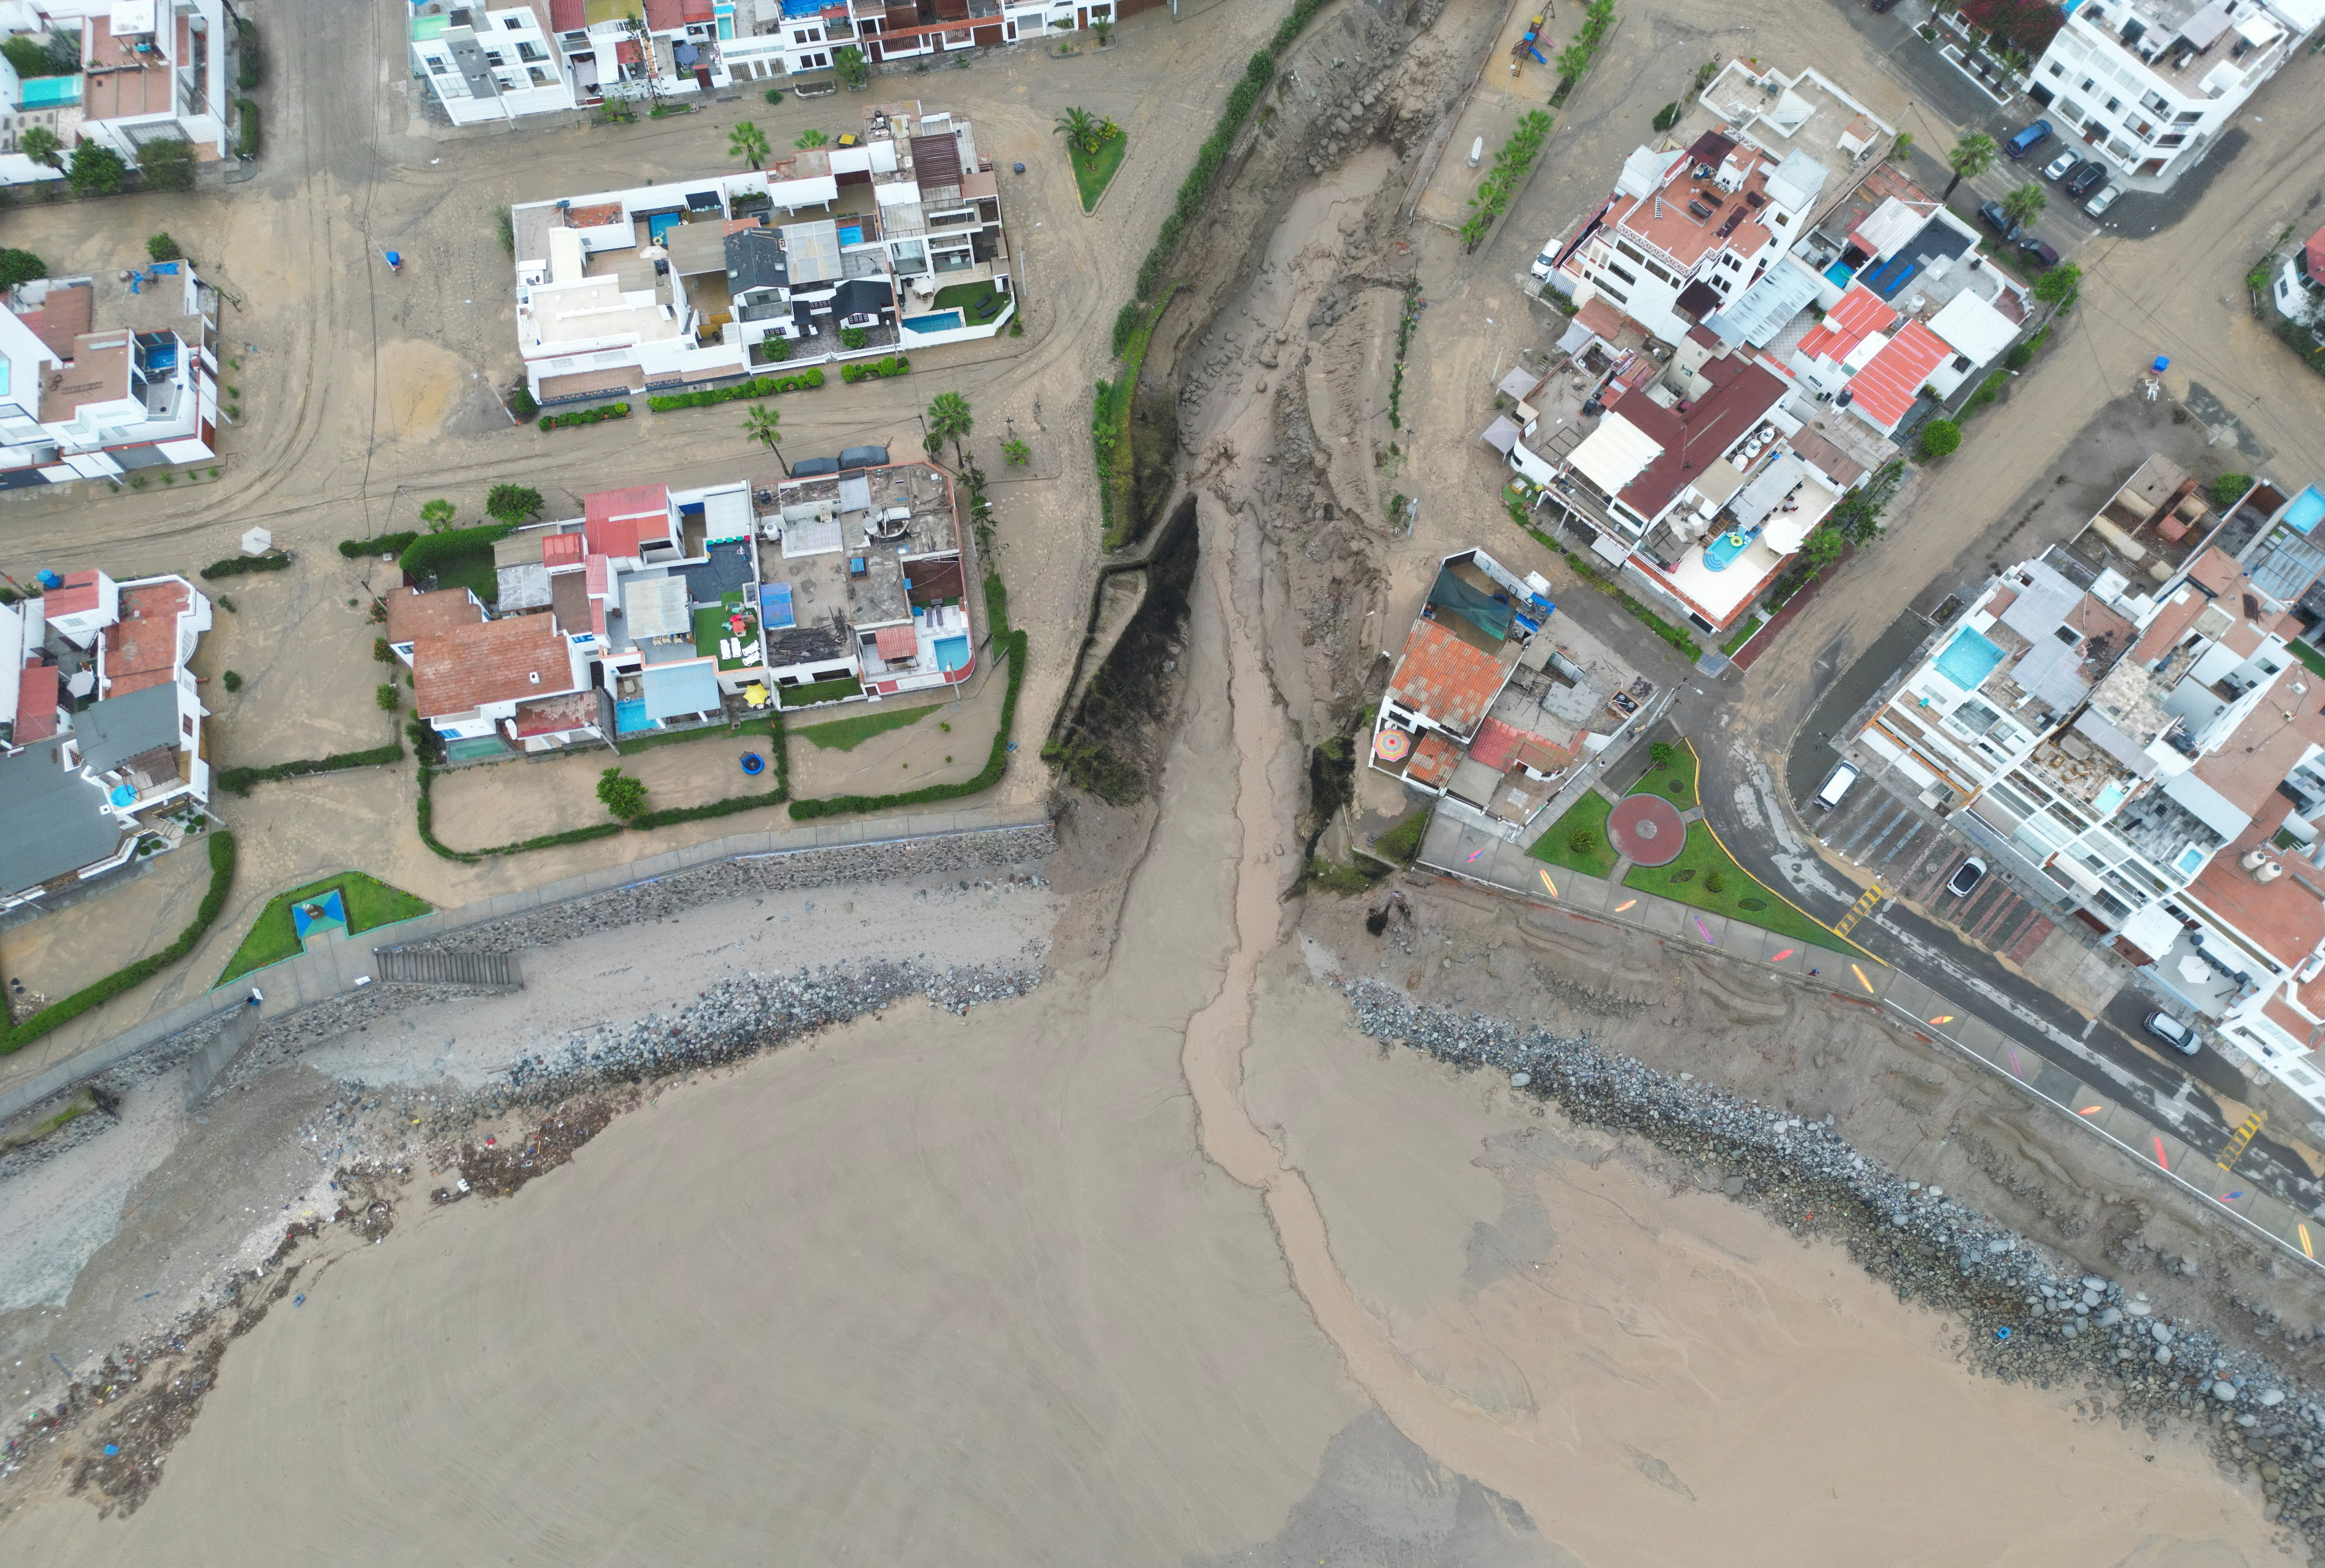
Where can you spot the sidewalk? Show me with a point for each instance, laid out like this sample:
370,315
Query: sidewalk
338,965
1466,854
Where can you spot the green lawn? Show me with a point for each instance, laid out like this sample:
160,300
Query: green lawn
711,623
1684,880
978,302
1743,634
846,734
1094,171
816,691
1589,812
274,935
471,570
1675,783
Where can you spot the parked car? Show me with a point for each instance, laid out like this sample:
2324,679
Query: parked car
2085,180
2035,251
2058,167
1966,876
1995,219
2097,204
2173,1033
1543,263
1836,785
2027,139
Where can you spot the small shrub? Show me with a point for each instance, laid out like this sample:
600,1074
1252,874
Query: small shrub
1016,453
892,364
161,247
585,417
382,651
231,680
2228,489
1583,840
756,387
386,544
521,404
1667,116
246,146
1715,882
774,95
242,566
622,795
437,514
1939,438
388,697
2020,357
1663,753
853,338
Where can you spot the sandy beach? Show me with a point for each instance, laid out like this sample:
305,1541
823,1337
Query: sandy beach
1164,1261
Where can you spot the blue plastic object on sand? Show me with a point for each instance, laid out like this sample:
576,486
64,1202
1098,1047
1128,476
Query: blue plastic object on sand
2161,365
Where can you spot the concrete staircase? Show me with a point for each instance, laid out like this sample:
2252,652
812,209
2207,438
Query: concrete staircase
487,970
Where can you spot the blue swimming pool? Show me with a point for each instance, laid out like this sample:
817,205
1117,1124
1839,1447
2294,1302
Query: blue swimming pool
941,321
661,224
952,652
1967,659
2307,508
1721,552
1839,274
630,716
851,234
47,92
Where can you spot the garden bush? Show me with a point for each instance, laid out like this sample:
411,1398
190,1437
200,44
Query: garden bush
242,566
1583,840
246,146
2228,489
891,364
1939,438
240,779
586,416
431,550
16,1037
385,544
756,387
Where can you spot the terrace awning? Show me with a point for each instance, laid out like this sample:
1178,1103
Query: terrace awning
672,689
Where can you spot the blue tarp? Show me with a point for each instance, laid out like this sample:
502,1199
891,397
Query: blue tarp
674,689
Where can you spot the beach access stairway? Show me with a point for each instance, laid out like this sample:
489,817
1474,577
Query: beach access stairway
484,970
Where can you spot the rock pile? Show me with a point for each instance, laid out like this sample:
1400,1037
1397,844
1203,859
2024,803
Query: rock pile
2033,1316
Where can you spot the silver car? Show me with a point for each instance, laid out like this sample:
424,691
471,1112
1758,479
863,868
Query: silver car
2058,167
2173,1033
2097,204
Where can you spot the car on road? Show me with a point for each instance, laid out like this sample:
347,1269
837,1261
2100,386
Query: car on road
2086,179
1995,219
2173,1033
2057,168
2097,204
2035,251
1966,876
2027,139
1836,785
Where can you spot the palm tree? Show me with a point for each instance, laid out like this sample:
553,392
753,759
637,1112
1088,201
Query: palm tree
2021,206
1972,156
747,142
1079,127
41,144
765,424
949,420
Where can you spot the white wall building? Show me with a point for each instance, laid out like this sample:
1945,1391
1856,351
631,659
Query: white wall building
490,63
2148,84
151,70
79,403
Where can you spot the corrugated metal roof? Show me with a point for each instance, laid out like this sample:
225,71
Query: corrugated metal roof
669,690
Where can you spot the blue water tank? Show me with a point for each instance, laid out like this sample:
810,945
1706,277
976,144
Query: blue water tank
49,579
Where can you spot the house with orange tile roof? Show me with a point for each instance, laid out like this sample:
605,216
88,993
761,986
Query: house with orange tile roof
82,403
102,751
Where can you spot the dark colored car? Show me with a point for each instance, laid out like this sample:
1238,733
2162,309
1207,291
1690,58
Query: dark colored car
2036,251
2027,139
1997,220
2086,179
1880,6
1966,876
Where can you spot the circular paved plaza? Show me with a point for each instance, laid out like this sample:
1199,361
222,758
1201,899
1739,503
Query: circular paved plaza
1645,829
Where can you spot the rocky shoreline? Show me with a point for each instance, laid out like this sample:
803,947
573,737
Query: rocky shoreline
2030,1316
110,1430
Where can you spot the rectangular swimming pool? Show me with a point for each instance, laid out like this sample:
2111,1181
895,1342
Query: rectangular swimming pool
851,234
2303,515
1967,659
952,652
630,716
47,92
941,321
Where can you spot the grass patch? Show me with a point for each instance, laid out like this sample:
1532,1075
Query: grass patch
1094,171
1675,783
1687,880
846,734
471,568
2309,655
1556,846
816,691
1348,880
1734,644
1402,842
977,302
274,935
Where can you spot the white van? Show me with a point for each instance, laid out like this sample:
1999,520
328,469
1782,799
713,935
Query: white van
1836,786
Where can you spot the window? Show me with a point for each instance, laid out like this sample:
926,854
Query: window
2173,140
2187,117
1629,252
806,35
2057,70
1628,276
1613,293
436,64
493,58
1961,362
2115,106
2091,86
529,52
512,24
2067,634
540,76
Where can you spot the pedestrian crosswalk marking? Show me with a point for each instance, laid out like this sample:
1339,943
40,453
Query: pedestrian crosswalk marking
1859,909
2241,1141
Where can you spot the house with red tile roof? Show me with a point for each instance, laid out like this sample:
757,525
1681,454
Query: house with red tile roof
101,750
470,681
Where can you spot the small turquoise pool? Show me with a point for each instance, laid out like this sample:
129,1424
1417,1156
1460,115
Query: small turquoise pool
1721,552
852,235
2307,508
1967,659
48,92
661,224
630,716
1839,274
942,321
952,652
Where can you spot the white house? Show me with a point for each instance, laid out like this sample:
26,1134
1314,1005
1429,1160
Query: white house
486,63
77,403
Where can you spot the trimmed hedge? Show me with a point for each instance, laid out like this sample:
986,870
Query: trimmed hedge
240,779
425,818
385,544
16,1037
248,146
892,364
987,777
765,386
596,416
242,566
732,803
430,548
